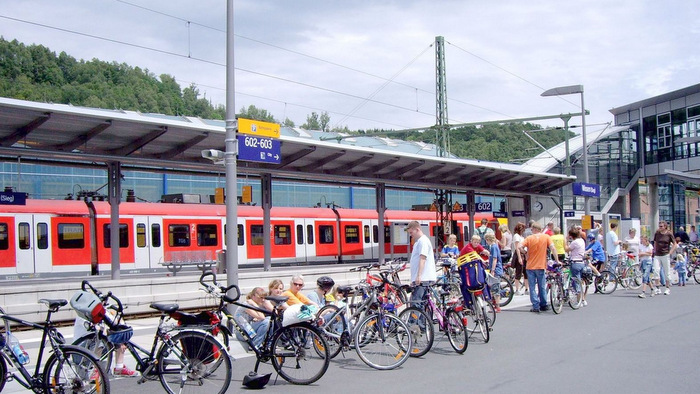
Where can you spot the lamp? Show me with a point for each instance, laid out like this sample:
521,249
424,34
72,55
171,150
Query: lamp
573,89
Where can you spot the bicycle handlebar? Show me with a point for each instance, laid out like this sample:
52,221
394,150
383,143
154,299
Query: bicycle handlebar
119,308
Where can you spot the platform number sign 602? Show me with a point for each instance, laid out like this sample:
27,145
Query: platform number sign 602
483,207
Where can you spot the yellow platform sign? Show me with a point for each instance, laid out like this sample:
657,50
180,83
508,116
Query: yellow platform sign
258,128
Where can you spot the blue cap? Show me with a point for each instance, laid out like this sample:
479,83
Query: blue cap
591,236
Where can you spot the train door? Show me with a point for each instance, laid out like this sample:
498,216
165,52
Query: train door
304,240
32,240
370,233
148,248
352,239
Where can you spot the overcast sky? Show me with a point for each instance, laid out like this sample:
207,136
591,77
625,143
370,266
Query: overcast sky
371,64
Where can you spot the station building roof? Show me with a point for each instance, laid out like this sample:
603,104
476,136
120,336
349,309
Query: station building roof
66,134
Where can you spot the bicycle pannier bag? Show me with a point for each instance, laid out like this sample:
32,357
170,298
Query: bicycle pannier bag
88,306
474,274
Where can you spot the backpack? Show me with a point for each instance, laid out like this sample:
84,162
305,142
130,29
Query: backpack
475,274
88,306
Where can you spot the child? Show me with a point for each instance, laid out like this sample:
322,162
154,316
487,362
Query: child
681,265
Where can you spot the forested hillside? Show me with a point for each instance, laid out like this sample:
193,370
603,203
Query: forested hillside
35,73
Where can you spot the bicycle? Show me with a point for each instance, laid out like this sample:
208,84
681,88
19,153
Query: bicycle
298,352
629,272
379,333
187,361
607,281
68,369
480,321
562,288
448,314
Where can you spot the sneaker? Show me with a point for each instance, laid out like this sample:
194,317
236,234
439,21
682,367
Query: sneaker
584,303
667,292
544,308
124,371
657,291
652,293
497,309
642,295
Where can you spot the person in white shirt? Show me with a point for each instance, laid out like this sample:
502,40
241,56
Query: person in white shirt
423,271
632,244
693,235
612,246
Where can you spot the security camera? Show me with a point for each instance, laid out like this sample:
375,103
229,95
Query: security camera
213,154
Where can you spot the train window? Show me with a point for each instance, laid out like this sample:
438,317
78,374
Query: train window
23,238
310,234
241,238
352,234
300,234
4,237
140,235
207,235
283,234
71,236
155,235
325,234
256,234
123,236
375,233
42,235
387,235
366,233
179,235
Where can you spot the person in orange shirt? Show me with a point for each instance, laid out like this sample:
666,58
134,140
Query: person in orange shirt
294,293
537,245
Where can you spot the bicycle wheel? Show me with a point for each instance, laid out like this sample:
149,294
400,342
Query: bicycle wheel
196,363
696,275
422,330
489,311
506,292
293,357
98,344
3,373
75,371
482,323
556,297
633,276
456,331
334,326
383,341
575,298
606,283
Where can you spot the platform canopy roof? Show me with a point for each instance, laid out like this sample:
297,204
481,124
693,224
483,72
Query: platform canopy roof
68,135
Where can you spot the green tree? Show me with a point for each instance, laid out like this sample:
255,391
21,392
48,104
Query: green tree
256,114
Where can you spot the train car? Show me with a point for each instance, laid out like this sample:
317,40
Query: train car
47,238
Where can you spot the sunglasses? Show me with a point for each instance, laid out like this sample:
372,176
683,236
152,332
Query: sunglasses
298,284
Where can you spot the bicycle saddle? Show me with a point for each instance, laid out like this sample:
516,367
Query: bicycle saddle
277,299
53,303
167,308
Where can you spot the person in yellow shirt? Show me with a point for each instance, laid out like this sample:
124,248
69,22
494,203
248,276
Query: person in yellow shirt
294,293
559,242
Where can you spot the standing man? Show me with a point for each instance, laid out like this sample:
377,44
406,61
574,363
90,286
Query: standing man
550,229
423,271
664,246
693,236
537,245
612,246
482,230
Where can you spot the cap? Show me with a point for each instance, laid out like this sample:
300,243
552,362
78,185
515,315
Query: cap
591,236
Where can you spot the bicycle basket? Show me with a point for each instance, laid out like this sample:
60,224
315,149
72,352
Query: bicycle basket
120,334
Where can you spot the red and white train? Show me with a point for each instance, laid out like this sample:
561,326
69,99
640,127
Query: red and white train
47,238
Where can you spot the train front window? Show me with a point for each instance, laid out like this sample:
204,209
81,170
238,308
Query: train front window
71,236
179,235
42,236
352,234
325,234
207,235
123,235
4,237
283,234
23,238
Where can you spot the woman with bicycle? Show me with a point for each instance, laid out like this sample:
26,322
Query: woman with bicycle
254,321
576,249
